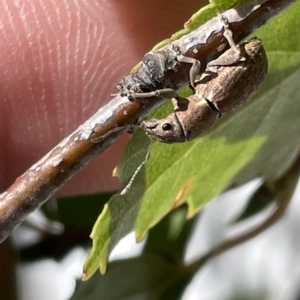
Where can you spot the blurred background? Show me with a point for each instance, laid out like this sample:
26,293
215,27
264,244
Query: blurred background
48,251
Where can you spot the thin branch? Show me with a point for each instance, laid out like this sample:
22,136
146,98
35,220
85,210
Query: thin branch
43,179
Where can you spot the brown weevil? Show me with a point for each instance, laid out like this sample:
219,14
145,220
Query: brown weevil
222,90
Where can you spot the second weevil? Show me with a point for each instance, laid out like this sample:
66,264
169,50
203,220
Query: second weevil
153,78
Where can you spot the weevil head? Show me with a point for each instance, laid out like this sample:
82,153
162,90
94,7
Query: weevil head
168,130
154,66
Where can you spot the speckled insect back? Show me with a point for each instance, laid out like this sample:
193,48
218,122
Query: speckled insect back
152,80
221,90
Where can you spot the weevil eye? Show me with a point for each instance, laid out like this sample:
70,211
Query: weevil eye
149,63
166,126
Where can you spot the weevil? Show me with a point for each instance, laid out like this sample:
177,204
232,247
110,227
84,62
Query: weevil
151,80
222,90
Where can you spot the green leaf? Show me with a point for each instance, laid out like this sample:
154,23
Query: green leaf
261,198
280,191
171,235
262,139
120,210
78,211
144,277
199,18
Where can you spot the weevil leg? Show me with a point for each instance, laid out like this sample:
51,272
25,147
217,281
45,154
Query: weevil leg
97,140
235,55
180,103
195,68
161,93
229,37
175,103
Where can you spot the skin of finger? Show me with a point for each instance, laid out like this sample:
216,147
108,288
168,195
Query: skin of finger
59,62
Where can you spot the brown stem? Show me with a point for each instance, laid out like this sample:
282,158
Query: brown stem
42,180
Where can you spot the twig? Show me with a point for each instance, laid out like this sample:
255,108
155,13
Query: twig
42,180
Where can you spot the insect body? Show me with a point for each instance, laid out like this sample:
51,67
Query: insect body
152,80
224,90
